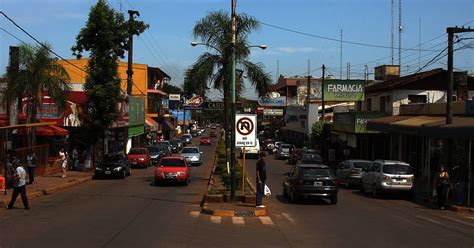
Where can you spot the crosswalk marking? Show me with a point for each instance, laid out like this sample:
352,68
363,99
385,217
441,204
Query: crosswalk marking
266,220
195,214
238,220
428,219
288,217
216,219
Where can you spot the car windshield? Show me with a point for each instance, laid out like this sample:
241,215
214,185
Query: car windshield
315,172
164,143
187,135
172,163
111,158
174,143
154,149
397,169
285,146
137,151
362,165
190,150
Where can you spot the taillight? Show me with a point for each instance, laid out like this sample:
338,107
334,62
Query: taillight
335,183
299,182
386,178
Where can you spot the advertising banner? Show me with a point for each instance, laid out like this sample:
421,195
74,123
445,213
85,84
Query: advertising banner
344,90
174,97
196,102
273,102
213,105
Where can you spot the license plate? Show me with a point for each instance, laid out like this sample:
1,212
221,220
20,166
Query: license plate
108,172
318,183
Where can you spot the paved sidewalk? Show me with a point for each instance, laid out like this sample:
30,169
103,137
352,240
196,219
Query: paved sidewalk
45,185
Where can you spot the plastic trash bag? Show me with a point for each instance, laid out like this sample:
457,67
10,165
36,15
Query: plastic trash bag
267,191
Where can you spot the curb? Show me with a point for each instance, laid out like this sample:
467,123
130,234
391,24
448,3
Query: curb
459,209
51,190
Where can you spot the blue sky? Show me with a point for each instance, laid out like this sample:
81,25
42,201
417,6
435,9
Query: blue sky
171,22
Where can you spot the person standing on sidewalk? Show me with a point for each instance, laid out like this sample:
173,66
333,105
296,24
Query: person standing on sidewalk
261,178
75,157
31,165
63,156
442,185
19,186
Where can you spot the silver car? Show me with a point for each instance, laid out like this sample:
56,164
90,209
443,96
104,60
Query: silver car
386,176
283,151
192,155
350,171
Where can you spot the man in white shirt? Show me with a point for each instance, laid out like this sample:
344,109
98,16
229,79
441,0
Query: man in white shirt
19,185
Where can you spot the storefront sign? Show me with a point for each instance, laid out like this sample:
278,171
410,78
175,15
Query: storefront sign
174,97
214,105
273,112
361,118
344,90
274,102
196,102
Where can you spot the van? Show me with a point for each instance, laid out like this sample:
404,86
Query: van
251,151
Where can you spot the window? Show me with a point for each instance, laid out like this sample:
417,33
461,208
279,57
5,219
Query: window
303,124
416,99
376,167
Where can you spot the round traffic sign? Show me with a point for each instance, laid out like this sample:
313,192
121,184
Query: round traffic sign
245,126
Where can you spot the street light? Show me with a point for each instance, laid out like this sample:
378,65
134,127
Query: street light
195,43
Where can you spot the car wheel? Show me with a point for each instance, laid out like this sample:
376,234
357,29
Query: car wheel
347,185
292,197
186,182
124,174
375,194
333,199
361,189
285,194
129,171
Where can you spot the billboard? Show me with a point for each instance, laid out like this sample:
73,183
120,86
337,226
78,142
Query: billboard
344,90
196,102
274,102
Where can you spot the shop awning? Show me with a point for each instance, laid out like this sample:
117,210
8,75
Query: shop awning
152,124
384,124
48,130
461,128
167,125
157,92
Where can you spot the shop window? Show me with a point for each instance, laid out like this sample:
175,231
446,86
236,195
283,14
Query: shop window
417,99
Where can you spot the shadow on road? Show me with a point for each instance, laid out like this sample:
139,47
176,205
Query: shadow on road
303,201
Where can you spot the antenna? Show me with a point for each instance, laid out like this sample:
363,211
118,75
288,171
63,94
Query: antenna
340,65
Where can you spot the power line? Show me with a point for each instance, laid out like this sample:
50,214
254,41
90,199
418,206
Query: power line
339,40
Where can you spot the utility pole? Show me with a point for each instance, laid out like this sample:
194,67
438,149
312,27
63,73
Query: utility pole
340,61
132,14
308,86
15,105
232,119
323,111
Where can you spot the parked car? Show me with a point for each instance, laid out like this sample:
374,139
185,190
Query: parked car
251,151
308,158
205,140
276,146
187,138
172,169
139,157
283,151
164,143
295,156
350,171
192,155
174,146
213,126
387,176
113,165
310,180
156,153
213,133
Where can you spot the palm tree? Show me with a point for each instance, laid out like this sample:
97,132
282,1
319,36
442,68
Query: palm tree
213,68
38,73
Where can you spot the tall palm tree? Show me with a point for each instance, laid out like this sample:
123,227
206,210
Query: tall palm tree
38,73
213,68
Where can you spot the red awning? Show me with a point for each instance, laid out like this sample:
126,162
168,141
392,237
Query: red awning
151,123
157,92
51,130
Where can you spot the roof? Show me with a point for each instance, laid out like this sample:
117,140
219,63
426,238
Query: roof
358,160
390,162
402,82
461,127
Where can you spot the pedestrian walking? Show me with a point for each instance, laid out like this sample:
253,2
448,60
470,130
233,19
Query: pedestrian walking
261,178
19,185
75,157
31,165
63,156
442,184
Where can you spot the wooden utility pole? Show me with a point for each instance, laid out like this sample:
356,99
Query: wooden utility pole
132,14
323,111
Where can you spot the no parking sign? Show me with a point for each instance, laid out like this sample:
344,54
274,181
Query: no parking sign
245,130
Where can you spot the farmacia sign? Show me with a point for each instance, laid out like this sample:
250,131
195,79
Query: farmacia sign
344,90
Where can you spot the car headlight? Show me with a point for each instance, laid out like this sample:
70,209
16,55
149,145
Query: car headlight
98,168
141,159
180,173
194,158
117,168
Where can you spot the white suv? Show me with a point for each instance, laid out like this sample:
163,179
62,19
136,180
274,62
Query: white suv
251,151
387,175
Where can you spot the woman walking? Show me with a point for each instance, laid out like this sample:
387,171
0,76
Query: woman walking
442,185
63,156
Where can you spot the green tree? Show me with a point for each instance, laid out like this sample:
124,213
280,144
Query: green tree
317,132
105,37
39,73
171,89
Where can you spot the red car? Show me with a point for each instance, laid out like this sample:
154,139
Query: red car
172,169
205,140
139,157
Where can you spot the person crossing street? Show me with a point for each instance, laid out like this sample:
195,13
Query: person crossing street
19,186
261,178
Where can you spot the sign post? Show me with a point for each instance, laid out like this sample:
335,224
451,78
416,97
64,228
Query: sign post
245,136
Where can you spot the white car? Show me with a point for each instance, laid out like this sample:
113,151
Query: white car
387,175
251,151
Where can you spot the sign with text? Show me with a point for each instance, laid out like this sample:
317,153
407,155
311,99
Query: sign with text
196,102
174,97
344,90
214,105
274,102
273,112
245,130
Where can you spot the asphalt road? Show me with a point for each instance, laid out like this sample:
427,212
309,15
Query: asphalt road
134,213
358,220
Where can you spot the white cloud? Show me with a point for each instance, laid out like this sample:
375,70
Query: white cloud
296,49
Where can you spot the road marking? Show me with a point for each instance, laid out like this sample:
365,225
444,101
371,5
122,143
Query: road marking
458,221
407,220
428,219
238,221
266,220
288,217
216,219
470,217
195,214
